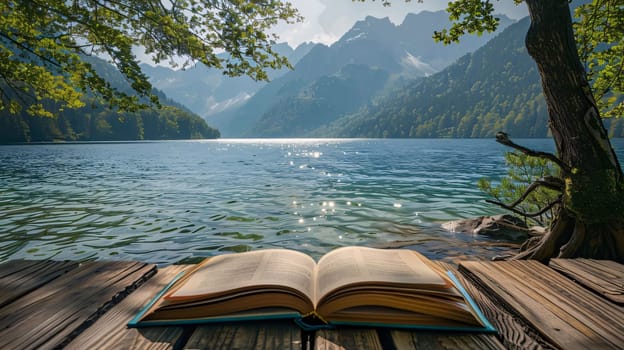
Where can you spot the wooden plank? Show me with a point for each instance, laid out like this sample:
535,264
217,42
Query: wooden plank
53,314
110,331
605,277
20,277
347,338
512,334
246,335
565,313
439,341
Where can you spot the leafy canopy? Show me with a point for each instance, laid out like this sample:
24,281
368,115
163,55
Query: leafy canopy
600,39
43,44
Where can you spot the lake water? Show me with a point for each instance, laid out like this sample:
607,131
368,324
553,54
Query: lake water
164,202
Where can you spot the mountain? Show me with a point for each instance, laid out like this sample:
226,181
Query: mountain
496,88
98,122
319,102
207,91
383,52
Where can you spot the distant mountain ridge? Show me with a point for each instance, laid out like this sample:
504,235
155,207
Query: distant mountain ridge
383,52
318,103
207,91
496,88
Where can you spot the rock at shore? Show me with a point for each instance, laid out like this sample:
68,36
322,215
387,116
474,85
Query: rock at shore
502,226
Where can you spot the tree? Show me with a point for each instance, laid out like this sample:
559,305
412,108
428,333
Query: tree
43,45
599,32
524,171
589,221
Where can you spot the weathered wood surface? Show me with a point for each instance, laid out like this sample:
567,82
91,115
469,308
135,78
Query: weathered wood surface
563,312
512,334
63,304
246,335
110,331
347,338
352,338
405,339
51,315
19,277
432,340
602,276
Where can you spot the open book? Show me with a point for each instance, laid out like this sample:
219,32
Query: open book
351,285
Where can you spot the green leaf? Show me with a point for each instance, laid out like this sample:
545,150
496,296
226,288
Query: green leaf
44,44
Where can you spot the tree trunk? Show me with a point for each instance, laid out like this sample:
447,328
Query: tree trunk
590,222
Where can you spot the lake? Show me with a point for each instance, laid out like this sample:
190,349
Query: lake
164,202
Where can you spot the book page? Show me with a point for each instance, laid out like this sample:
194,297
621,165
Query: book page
228,273
350,265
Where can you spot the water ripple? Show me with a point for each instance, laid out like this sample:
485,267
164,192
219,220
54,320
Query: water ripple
163,202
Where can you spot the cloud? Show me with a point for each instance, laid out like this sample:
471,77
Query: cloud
327,20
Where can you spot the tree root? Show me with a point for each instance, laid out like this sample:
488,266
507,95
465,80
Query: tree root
570,238
618,238
572,247
530,243
550,244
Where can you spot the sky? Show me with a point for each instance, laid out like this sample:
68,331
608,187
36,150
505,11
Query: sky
327,20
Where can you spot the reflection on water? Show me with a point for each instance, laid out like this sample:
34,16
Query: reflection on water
167,201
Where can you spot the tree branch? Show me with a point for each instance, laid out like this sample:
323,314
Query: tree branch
550,182
519,212
503,138
29,50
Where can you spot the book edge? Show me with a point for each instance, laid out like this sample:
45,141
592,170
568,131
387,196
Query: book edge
136,320
487,325
218,319
415,327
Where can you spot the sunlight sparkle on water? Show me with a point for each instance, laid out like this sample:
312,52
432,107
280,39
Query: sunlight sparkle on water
163,202
297,141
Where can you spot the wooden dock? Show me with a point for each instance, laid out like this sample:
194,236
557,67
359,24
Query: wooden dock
571,304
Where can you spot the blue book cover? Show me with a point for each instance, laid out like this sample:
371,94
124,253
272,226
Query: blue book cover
378,316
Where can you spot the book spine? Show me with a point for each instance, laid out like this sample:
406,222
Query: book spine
135,322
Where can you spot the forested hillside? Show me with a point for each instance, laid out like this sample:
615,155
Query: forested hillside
323,86
97,122
321,102
207,91
497,88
